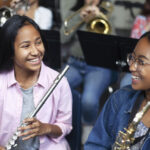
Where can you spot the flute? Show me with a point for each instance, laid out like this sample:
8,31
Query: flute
12,142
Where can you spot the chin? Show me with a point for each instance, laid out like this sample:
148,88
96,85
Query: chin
135,87
138,87
34,68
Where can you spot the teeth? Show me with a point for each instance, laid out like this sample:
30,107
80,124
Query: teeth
135,77
34,60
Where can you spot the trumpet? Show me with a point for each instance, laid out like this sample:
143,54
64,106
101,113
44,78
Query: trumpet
98,24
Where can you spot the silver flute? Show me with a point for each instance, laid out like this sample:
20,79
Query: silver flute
12,142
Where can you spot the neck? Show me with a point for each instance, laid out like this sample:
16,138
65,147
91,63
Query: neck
147,95
26,79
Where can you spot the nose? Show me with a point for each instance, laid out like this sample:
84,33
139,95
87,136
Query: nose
34,50
133,66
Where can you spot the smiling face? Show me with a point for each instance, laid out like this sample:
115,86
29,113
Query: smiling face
28,49
141,74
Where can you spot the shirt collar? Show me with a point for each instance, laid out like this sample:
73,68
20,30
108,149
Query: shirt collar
11,78
41,81
130,105
42,77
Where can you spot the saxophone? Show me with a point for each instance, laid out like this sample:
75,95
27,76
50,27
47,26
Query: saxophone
125,139
12,142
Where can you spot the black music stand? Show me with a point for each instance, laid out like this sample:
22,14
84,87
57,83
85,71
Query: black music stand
53,53
107,51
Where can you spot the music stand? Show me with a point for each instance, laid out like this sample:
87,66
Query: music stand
53,53
109,51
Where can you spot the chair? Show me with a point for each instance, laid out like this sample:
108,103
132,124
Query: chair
53,54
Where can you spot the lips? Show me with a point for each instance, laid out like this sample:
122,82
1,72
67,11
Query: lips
135,79
35,60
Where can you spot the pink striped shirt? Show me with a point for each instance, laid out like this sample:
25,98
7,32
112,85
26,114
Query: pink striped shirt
57,109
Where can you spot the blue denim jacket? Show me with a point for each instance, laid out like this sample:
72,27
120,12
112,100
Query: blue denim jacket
113,118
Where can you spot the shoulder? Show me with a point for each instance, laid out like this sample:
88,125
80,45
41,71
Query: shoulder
51,74
140,18
123,97
3,80
125,92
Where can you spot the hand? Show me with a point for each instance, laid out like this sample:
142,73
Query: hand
89,12
17,6
2,148
13,3
33,128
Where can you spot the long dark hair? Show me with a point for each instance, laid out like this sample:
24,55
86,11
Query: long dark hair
146,8
8,35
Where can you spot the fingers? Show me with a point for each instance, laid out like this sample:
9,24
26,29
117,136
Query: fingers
2,148
29,134
89,13
30,128
14,3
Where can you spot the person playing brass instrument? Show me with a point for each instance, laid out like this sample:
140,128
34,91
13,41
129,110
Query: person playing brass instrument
24,79
94,79
41,15
113,126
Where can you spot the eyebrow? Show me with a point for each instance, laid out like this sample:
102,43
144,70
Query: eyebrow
141,56
23,42
29,41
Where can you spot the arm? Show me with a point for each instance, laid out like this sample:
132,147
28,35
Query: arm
64,115
2,148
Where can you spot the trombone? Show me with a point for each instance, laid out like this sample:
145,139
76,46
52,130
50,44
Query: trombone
98,24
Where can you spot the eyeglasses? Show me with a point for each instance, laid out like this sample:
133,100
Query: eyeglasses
138,62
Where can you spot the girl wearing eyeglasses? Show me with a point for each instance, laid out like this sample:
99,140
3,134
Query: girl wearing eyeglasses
123,105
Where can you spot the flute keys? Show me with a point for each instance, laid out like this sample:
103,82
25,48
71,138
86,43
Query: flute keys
8,147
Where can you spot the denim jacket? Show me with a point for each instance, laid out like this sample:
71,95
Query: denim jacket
113,118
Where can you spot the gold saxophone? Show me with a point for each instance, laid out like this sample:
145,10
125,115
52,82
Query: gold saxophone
125,139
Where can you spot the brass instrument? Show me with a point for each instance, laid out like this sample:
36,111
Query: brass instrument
6,12
124,140
98,24
12,142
